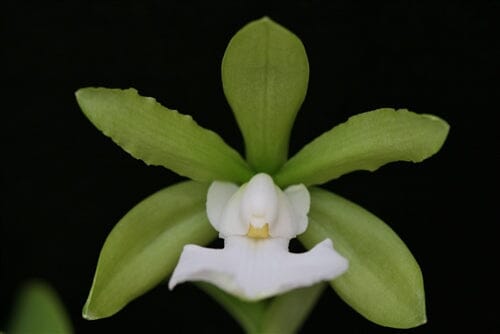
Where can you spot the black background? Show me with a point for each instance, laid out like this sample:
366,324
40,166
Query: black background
65,184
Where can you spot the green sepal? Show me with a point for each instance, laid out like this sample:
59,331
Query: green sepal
160,136
248,314
265,74
283,314
38,309
145,245
384,282
365,142
286,313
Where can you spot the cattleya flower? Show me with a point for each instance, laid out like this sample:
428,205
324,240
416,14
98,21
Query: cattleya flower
259,203
256,222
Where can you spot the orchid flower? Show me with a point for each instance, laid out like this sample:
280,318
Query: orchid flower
258,204
257,222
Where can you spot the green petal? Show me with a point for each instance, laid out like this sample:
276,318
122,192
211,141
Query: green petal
365,142
39,310
265,74
160,136
248,314
143,248
383,282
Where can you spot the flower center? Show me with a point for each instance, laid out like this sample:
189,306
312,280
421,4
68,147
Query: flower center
258,232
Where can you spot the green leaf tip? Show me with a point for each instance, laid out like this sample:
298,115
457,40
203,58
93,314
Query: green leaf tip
86,313
384,282
366,142
160,136
265,73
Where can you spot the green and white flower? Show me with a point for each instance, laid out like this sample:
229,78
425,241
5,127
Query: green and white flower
259,203
257,222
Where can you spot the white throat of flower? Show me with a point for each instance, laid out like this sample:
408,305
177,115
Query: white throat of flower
257,221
